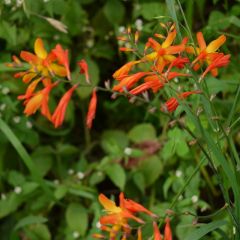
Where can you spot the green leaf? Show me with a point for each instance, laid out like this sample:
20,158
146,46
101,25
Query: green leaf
139,181
218,20
142,132
38,232
30,220
8,32
114,141
205,229
149,10
60,191
117,175
151,168
77,218
114,11
16,178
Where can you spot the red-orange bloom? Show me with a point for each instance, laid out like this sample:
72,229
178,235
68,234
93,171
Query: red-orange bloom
92,109
59,113
84,69
218,60
172,104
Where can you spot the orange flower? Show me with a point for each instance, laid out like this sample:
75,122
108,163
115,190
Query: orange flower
205,51
84,69
172,104
42,63
59,113
118,216
92,109
39,100
164,53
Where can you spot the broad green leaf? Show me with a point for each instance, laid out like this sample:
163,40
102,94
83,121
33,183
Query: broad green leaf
8,32
149,9
151,168
77,218
29,220
114,141
117,175
218,20
15,178
142,132
38,232
205,229
96,178
114,11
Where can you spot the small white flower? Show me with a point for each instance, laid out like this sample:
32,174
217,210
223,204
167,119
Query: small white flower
128,151
176,80
19,3
178,173
46,1
17,119
3,106
98,225
7,2
5,90
90,43
194,198
70,171
17,190
139,24
29,124
234,231
3,196
56,182
76,234
80,175
121,29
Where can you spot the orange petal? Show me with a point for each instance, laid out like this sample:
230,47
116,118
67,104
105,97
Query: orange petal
28,77
170,38
215,45
39,49
84,69
167,230
108,204
33,104
29,57
157,234
92,109
201,41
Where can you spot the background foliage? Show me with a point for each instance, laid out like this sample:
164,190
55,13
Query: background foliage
50,179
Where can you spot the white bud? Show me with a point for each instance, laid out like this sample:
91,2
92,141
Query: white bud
3,106
80,175
76,234
17,190
28,124
98,225
194,198
178,173
128,151
3,196
121,29
16,119
7,2
70,171
5,90
56,182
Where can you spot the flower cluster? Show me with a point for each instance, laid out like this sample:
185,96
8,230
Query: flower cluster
163,62
45,72
116,220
